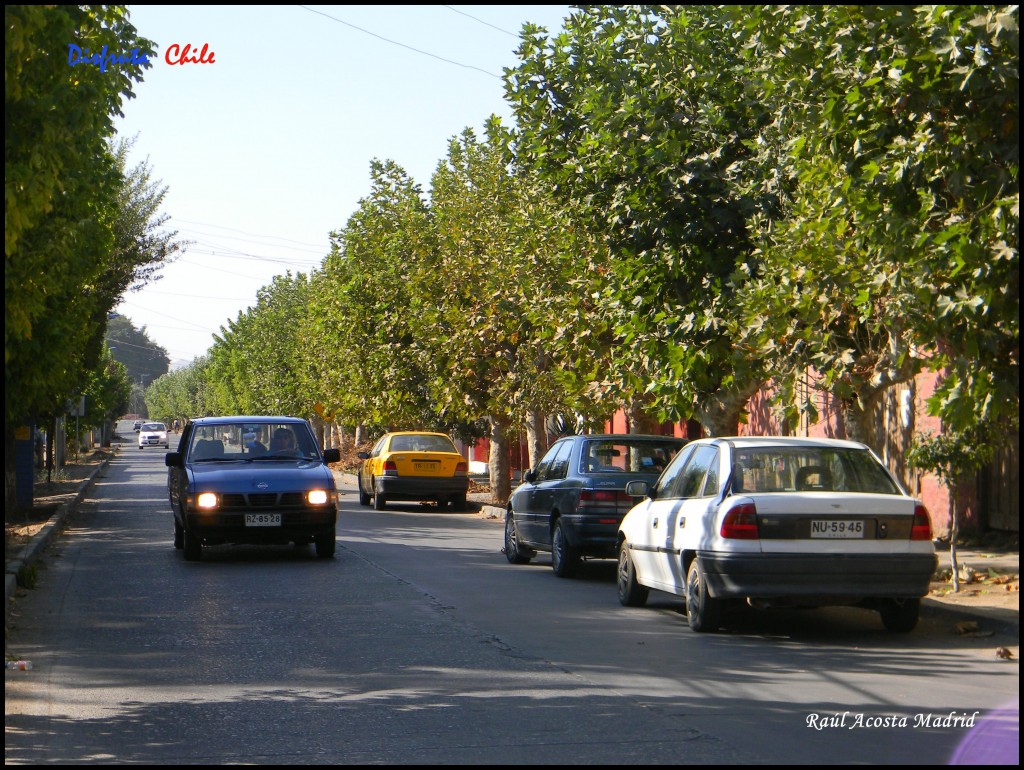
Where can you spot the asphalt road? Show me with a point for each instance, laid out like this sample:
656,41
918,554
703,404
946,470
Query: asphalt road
420,644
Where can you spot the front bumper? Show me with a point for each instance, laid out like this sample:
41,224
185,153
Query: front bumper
304,525
839,576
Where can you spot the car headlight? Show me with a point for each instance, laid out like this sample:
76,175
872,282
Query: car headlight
206,500
316,496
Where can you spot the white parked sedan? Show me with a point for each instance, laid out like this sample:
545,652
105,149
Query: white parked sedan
153,434
777,522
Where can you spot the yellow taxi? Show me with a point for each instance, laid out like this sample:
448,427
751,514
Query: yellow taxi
410,465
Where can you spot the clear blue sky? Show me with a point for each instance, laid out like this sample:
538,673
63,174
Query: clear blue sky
268,149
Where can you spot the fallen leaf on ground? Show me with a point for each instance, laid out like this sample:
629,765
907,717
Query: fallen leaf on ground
1004,653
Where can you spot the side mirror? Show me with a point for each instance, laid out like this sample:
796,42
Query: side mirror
332,455
530,476
639,489
174,460
363,455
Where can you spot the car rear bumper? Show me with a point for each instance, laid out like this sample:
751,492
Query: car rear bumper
224,527
593,534
851,576
421,487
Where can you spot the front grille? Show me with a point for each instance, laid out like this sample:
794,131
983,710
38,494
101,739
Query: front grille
263,500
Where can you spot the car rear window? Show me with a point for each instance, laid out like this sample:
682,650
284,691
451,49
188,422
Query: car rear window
422,444
810,469
624,455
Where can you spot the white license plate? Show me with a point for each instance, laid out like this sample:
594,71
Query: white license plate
424,466
263,519
837,528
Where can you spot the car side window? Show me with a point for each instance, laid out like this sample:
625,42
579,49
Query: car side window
690,483
545,463
711,480
668,478
378,447
560,465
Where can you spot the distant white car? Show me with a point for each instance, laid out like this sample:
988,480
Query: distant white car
775,521
153,434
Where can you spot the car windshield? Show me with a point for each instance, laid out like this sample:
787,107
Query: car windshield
422,444
154,426
252,441
623,454
810,469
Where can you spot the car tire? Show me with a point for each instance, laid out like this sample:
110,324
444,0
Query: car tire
364,498
900,615
515,553
179,536
458,503
192,546
564,559
326,545
703,612
631,593
379,500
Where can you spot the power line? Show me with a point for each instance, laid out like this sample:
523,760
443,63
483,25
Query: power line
481,21
402,45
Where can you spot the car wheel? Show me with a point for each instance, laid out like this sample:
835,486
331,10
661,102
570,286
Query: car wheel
900,615
703,612
631,593
193,547
458,503
326,545
179,536
379,500
364,498
564,559
512,550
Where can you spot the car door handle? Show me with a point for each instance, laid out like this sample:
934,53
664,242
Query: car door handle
682,522
655,525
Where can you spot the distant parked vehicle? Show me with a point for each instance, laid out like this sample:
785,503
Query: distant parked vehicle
572,502
137,426
410,465
771,521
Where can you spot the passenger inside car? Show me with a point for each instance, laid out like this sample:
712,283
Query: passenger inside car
283,442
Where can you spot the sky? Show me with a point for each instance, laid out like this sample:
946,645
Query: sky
267,149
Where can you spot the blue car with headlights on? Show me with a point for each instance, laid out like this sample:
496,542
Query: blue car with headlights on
252,480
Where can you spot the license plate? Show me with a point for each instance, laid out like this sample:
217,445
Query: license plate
424,466
841,528
263,519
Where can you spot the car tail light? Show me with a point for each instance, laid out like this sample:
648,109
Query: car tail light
922,526
740,523
390,469
462,469
605,501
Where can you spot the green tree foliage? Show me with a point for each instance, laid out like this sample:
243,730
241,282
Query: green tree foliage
107,391
899,248
259,359
364,334
182,394
644,118
143,358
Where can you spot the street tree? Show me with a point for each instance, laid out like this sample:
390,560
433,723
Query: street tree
899,248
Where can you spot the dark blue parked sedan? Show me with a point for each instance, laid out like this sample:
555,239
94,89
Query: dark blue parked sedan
572,502
251,480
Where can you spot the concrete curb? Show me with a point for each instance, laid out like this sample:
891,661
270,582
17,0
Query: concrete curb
31,552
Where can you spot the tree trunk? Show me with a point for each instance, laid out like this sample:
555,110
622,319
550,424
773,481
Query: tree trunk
639,420
498,463
536,437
